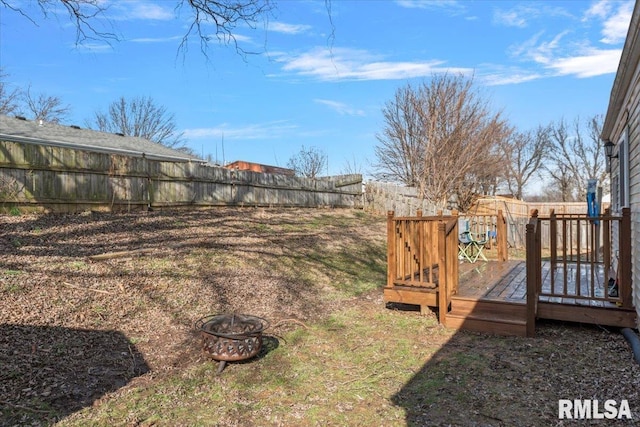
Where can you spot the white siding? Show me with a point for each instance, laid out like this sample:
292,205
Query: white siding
633,106
629,120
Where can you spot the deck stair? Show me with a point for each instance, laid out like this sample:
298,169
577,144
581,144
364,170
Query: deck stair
489,316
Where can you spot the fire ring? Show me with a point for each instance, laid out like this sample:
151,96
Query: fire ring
231,337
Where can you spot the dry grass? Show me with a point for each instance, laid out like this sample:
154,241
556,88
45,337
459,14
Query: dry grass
111,342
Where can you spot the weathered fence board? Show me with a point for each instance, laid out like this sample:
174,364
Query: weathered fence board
50,177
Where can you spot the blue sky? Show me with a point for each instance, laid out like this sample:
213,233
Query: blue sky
321,80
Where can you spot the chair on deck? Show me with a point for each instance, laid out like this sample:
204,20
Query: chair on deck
470,245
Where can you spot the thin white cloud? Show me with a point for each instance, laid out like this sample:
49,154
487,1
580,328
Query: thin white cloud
341,108
558,59
156,39
521,16
127,10
93,47
510,18
564,55
598,9
431,4
341,64
269,130
615,27
497,77
541,52
594,62
280,27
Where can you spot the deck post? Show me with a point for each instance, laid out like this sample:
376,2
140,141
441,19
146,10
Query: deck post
502,237
533,271
443,300
391,249
606,242
624,262
553,237
452,247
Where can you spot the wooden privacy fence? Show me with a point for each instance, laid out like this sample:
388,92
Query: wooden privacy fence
578,261
64,179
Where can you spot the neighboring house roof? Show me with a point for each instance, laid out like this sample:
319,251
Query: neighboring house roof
31,132
257,167
624,76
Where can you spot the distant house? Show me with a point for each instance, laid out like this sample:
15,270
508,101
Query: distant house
257,167
622,128
20,130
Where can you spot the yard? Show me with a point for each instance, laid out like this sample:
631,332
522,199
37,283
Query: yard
111,341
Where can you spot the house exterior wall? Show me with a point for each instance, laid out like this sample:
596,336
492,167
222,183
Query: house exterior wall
632,105
634,189
622,123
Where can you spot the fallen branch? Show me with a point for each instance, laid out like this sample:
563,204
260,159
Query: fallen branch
121,254
87,289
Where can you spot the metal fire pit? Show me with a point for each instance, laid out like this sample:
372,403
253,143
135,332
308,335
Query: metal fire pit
231,337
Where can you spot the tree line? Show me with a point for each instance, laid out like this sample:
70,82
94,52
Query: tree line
138,116
442,137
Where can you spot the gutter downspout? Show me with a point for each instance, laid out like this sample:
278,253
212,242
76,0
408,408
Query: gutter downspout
634,342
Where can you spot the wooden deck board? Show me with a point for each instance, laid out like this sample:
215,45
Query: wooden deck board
490,280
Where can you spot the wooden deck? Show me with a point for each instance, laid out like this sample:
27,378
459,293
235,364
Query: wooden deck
492,298
506,297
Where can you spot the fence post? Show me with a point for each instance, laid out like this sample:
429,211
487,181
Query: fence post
391,249
624,262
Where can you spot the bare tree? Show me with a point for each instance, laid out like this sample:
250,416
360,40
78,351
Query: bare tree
86,16
441,137
140,117
524,153
225,15
401,149
308,162
44,107
91,18
576,158
9,98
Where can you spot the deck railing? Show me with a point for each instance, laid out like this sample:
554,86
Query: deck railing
579,252
413,249
422,252
495,226
448,263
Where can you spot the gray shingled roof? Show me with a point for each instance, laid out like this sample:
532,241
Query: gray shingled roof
28,131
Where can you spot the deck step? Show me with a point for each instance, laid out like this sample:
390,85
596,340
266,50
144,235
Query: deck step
497,326
495,317
489,308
